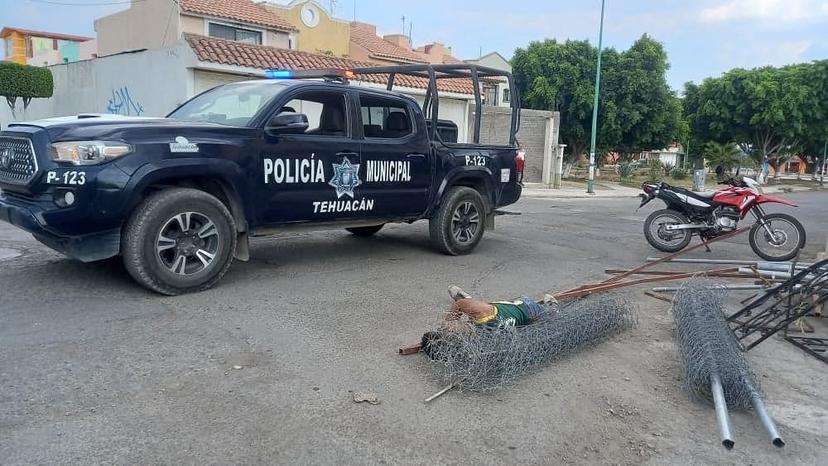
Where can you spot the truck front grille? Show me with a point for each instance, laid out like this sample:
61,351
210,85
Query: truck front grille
18,164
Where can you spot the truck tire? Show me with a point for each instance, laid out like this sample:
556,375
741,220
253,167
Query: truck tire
364,232
458,224
178,241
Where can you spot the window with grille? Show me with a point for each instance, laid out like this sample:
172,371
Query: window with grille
237,34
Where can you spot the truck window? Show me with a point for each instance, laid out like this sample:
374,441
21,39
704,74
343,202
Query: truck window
326,112
231,104
385,117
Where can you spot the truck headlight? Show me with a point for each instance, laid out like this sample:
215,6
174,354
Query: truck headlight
88,152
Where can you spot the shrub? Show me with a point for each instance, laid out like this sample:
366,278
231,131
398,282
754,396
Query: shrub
679,174
656,170
626,169
24,81
668,167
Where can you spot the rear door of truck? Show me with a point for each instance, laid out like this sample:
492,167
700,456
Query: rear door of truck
395,155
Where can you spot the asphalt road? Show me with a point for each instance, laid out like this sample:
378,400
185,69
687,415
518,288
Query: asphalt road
94,369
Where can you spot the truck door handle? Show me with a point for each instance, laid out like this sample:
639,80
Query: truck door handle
347,154
419,156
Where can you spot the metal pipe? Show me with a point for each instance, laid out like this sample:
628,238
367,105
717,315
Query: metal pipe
721,411
717,287
767,421
772,274
704,261
781,266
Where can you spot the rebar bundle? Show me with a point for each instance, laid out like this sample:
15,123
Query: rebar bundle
713,365
482,358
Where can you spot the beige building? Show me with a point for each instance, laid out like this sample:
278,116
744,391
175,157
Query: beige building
318,31
496,95
154,24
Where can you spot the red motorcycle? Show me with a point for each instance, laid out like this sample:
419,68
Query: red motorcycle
774,237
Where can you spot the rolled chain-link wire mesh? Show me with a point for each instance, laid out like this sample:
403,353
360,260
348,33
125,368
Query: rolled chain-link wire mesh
707,346
483,358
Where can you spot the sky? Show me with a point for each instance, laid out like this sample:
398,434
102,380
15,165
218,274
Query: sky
703,38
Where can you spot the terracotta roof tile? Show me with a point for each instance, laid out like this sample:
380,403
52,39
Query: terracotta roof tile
366,37
214,50
244,11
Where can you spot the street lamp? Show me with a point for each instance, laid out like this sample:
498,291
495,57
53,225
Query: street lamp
591,179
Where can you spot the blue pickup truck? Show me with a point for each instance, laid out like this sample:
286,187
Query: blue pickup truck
178,197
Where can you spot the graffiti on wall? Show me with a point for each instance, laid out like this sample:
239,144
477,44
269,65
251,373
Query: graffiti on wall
121,103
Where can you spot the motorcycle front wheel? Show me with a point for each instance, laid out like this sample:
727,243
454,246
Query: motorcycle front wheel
659,237
779,239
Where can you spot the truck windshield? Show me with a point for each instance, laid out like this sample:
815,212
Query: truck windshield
231,104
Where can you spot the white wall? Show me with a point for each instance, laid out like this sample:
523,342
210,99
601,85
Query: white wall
149,83
148,24
154,82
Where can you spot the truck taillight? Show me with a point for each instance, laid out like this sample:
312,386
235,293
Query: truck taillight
520,161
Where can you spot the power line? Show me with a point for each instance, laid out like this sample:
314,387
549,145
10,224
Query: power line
54,2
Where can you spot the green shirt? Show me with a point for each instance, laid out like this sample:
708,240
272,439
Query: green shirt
506,314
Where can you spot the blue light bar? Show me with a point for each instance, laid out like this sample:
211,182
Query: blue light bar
278,74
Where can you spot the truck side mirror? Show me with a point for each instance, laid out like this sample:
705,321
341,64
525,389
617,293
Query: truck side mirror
287,123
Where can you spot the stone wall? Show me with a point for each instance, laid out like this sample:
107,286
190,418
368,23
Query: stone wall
538,134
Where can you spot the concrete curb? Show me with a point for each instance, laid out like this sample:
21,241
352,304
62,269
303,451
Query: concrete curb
608,190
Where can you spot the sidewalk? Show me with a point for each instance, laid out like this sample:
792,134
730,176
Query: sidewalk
605,189
574,190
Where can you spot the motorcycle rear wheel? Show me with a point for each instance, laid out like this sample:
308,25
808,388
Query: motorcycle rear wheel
782,246
661,239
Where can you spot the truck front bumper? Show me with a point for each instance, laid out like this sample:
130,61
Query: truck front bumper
87,248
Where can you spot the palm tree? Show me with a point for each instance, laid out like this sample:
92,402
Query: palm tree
727,155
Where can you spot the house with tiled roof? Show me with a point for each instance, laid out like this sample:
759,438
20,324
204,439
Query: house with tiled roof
495,94
43,48
390,49
154,24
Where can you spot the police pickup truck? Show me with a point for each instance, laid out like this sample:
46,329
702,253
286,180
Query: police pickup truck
178,197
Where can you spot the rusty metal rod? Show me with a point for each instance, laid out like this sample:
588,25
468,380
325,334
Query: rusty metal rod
603,286
676,254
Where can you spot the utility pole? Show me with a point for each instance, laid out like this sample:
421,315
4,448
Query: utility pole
403,22
591,180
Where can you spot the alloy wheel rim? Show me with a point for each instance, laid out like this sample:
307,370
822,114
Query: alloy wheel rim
465,222
188,243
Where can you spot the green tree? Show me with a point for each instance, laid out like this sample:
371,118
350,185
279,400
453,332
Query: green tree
24,82
559,76
816,132
765,110
649,115
637,110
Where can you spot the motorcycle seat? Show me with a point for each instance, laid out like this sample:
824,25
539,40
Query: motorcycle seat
701,196
705,195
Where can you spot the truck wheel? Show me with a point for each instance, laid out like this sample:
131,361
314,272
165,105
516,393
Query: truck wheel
178,241
458,224
364,232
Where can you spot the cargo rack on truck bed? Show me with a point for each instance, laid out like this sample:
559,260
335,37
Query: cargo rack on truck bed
452,71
